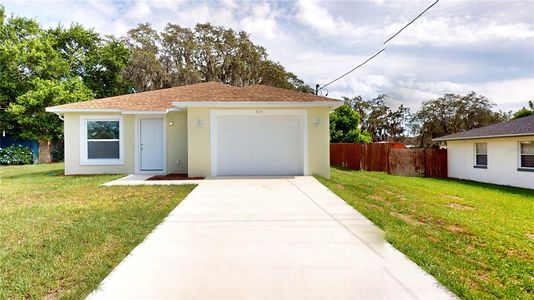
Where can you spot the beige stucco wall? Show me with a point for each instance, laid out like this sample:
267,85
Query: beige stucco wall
503,161
188,143
199,140
72,147
177,142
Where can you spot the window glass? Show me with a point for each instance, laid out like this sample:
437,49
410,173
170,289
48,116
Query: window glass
482,148
103,139
103,150
527,148
482,160
527,154
102,130
481,154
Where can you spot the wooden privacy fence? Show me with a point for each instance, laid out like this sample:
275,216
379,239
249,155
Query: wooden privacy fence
390,158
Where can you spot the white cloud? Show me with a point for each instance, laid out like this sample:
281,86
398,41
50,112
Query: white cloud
458,46
262,22
103,7
139,11
312,13
451,32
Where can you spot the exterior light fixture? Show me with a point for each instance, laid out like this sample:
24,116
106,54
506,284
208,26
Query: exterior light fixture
200,123
171,122
317,122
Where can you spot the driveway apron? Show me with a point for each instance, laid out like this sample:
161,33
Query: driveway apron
279,238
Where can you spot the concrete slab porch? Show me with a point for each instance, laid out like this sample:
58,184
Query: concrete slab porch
280,238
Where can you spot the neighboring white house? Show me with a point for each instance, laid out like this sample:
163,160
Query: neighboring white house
204,129
502,153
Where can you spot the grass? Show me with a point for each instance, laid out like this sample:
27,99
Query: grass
476,239
61,235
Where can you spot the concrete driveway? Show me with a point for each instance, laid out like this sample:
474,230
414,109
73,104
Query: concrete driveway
267,238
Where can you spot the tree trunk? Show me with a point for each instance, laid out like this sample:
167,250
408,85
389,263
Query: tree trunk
45,155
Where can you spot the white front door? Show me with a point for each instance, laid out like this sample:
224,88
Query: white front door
151,144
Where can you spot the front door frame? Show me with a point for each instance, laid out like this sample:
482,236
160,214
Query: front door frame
137,143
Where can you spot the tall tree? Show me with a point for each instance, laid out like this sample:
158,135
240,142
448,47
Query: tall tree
39,68
98,60
453,113
29,110
179,56
345,126
525,112
26,54
382,122
144,70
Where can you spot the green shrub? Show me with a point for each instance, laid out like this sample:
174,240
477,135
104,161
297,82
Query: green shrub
16,155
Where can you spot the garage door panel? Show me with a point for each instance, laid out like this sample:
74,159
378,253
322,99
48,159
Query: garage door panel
259,145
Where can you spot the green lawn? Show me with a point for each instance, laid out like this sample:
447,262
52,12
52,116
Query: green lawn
476,239
61,235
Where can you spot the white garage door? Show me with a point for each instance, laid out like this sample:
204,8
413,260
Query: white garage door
257,143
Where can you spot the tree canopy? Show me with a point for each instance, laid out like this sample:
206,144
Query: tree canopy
45,67
453,113
179,56
344,126
381,121
525,112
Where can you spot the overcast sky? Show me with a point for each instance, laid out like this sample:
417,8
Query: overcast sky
458,46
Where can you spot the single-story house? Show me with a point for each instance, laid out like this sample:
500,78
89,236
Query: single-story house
502,153
205,129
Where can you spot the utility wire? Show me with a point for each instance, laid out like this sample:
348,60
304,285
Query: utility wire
363,63
376,54
424,11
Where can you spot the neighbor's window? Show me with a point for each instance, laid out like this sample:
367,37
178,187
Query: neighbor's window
526,153
481,155
101,141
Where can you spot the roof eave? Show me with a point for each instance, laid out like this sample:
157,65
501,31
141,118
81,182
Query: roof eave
332,104
444,139
54,109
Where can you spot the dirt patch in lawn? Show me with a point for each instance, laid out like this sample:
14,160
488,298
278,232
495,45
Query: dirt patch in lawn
530,236
453,197
380,199
457,206
407,218
455,229
174,177
372,206
432,238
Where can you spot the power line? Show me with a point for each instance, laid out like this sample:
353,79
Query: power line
363,63
317,89
424,11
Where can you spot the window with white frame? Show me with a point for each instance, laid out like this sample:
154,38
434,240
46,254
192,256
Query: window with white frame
101,140
481,155
526,154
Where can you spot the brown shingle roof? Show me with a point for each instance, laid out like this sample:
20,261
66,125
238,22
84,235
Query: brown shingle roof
161,100
516,127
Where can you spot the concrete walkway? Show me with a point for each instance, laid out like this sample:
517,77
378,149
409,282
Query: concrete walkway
287,238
